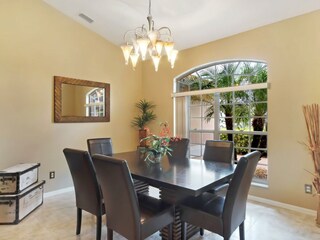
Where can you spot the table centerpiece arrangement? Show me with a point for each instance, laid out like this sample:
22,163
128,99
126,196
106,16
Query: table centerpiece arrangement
158,146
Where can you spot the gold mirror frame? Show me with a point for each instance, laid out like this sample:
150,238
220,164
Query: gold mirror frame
58,118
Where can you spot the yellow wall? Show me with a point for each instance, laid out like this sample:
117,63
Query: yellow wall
292,51
36,43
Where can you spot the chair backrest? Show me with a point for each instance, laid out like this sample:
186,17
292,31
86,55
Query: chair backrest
179,148
119,195
236,198
100,146
218,151
87,190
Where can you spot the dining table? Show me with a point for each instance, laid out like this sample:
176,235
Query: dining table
177,179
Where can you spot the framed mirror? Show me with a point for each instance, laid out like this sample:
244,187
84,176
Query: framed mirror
78,100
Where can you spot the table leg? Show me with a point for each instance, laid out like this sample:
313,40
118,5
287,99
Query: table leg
175,198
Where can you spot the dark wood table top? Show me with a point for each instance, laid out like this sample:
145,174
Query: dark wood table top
188,176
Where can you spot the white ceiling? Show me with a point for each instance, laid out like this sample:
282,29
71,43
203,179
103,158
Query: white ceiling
192,22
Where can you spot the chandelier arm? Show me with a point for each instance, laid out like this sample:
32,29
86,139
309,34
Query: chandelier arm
167,36
141,31
125,36
165,28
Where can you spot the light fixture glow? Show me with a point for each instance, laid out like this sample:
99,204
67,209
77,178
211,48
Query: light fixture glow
173,57
143,46
126,49
134,59
168,46
156,61
159,46
148,39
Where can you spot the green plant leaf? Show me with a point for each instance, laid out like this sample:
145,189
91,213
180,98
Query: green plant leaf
146,114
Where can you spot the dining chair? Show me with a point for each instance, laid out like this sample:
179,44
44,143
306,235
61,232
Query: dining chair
104,146
222,215
133,215
87,189
100,146
218,151
179,148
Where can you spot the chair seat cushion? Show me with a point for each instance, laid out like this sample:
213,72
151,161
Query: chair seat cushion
204,211
154,214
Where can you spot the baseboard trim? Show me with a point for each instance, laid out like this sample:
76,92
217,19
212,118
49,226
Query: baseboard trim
250,197
283,205
57,192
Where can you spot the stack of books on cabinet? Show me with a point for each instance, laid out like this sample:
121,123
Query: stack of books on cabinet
20,192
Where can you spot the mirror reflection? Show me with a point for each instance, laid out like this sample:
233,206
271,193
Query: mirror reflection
78,100
82,101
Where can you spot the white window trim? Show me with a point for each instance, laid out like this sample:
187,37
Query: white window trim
221,90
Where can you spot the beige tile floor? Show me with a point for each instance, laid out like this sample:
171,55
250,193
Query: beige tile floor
56,219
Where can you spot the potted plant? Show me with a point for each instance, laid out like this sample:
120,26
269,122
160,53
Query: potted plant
146,115
312,118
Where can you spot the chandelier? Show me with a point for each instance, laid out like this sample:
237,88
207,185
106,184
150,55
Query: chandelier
147,39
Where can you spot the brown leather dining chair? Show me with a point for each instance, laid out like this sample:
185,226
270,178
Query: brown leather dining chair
133,215
100,146
87,189
222,215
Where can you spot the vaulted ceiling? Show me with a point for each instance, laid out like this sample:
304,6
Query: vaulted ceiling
193,22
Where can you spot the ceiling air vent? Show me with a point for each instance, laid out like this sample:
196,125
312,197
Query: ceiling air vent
86,18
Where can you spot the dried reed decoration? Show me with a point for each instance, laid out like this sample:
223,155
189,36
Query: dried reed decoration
312,117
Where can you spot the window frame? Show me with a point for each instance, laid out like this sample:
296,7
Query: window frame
216,91
94,104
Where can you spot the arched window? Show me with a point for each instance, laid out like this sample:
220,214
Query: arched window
224,101
94,103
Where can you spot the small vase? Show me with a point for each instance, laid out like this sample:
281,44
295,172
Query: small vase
158,157
154,157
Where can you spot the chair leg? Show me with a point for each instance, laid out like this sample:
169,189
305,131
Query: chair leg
79,216
183,230
201,231
170,231
99,223
241,231
109,234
